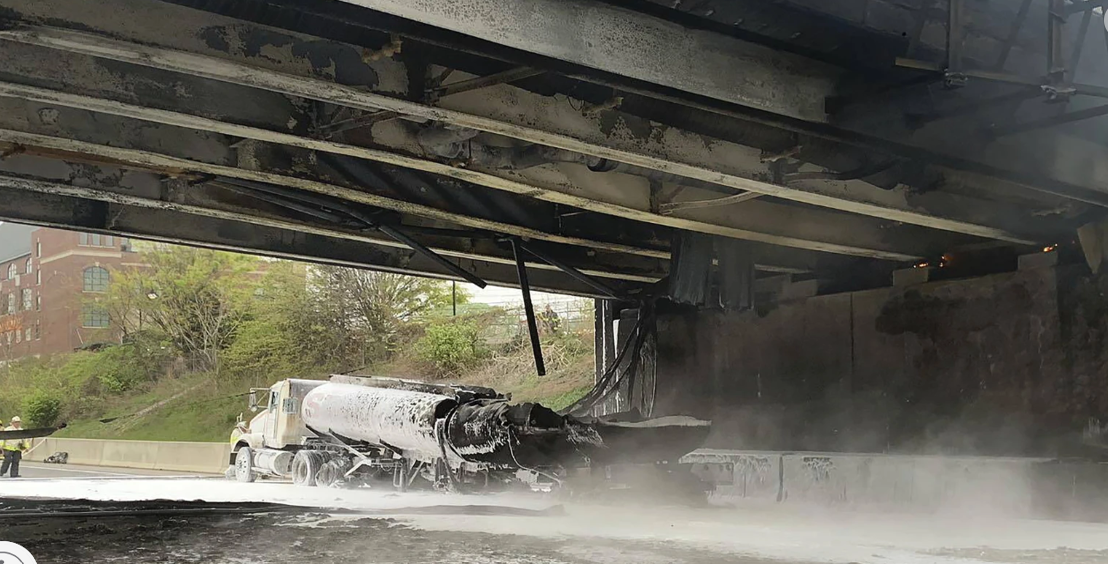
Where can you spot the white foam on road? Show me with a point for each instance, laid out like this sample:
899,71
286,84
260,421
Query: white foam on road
771,532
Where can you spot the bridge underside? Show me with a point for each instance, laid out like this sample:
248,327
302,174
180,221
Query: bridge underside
613,145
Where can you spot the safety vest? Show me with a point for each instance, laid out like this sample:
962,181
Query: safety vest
14,444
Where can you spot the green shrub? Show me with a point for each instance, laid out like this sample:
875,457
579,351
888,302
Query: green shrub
262,350
451,346
41,409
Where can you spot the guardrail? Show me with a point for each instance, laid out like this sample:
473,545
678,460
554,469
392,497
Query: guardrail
150,455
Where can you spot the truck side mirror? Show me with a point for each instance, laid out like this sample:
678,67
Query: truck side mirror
253,401
239,419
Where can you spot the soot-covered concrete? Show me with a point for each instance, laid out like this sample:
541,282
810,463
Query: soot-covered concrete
1010,364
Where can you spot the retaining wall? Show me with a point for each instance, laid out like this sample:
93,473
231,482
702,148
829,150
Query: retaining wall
150,455
1016,487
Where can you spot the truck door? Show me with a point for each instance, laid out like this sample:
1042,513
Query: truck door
270,436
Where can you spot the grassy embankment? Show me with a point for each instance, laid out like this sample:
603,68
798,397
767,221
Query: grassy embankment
196,407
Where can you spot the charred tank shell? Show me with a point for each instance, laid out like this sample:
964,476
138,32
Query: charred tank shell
527,435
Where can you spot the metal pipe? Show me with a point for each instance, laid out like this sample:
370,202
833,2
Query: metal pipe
1086,6
282,202
528,308
670,207
1079,115
1056,21
1013,34
356,122
954,38
572,272
391,232
919,120
1079,43
505,77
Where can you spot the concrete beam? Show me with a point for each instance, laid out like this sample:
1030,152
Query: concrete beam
703,166
762,221
634,45
181,227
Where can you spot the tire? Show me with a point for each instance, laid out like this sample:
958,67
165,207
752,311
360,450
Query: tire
305,467
326,475
332,472
244,465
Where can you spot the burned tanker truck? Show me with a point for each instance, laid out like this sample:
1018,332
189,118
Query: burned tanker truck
387,432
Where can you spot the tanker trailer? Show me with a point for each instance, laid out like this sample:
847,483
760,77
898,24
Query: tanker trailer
381,431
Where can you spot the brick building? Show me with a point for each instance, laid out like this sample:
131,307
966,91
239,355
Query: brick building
50,283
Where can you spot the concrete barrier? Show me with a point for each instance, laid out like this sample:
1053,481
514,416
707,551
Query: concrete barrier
1017,487
149,455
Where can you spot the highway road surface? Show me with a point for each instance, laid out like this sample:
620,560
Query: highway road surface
342,526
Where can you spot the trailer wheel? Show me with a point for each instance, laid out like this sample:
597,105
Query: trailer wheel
244,465
305,467
332,471
326,475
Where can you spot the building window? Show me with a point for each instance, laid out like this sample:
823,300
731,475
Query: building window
96,279
12,271
38,302
38,277
94,316
125,244
11,303
96,240
27,299
18,336
27,335
38,331
27,267
38,249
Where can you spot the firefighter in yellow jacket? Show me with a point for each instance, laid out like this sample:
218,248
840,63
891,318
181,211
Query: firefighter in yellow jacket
13,449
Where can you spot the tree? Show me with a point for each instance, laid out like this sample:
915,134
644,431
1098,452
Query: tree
291,330
376,304
196,297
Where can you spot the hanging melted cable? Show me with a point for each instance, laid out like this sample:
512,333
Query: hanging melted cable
613,377
354,212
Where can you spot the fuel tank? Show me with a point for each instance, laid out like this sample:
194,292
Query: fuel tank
399,419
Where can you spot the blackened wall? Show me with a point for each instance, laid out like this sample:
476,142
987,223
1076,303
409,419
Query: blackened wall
1011,364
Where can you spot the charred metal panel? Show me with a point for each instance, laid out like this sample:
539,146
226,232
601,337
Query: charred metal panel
691,267
736,275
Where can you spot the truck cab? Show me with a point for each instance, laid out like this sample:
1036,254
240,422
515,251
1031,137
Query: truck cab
278,424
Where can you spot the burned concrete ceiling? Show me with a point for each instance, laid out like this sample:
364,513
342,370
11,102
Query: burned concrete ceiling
428,136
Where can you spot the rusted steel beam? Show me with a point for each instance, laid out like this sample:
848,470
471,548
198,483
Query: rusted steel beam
46,188
155,161
702,166
851,237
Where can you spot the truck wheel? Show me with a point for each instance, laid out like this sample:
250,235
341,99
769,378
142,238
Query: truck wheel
332,472
326,475
244,465
305,467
